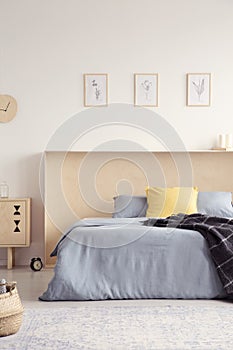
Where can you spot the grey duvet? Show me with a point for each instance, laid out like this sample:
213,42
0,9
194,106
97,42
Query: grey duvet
123,259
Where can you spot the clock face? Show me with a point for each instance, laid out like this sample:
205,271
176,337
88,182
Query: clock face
37,265
8,108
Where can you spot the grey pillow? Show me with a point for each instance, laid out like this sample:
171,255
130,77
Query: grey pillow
126,206
215,204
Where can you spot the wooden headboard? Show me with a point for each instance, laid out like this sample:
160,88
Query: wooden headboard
83,184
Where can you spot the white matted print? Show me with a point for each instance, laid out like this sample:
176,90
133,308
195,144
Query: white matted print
146,89
198,89
95,90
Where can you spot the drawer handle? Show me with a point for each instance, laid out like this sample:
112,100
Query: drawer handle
17,226
17,210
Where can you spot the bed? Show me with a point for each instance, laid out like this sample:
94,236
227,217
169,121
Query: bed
119,257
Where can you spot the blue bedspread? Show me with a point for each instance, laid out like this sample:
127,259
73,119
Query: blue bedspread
122,259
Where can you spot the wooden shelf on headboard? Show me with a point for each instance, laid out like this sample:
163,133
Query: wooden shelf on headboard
212,150
66,200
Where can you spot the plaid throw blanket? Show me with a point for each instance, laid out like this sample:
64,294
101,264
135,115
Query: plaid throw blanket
218,233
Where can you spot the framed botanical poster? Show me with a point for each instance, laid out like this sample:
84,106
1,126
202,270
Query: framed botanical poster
95,90
198,89
146,89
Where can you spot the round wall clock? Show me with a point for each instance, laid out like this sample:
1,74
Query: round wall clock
8,108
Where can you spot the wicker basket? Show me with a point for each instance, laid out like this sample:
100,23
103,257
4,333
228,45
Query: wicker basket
11,310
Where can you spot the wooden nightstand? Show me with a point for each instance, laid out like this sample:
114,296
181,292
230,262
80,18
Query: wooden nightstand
15,216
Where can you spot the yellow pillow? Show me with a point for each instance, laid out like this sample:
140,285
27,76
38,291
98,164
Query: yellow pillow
163,202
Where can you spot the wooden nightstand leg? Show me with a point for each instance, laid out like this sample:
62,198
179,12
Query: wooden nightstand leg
10,257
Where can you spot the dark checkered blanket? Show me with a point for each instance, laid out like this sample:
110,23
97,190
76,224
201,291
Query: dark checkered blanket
218,233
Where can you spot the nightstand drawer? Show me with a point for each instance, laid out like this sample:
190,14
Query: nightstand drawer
14,222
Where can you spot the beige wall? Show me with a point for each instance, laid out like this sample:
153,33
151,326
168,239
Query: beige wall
46,46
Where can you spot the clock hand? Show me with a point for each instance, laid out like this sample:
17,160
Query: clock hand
2,109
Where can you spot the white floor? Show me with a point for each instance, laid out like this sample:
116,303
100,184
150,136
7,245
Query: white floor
32,284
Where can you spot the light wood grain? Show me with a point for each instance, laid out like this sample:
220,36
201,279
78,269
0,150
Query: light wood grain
69,196
12,219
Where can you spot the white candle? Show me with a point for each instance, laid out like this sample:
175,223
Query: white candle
221,141
229,140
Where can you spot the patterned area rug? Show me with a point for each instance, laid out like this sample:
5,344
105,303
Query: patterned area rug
129,327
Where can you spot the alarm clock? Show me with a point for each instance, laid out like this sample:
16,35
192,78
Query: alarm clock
36,264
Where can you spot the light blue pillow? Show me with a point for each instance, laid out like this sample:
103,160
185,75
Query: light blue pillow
215,204
126,206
